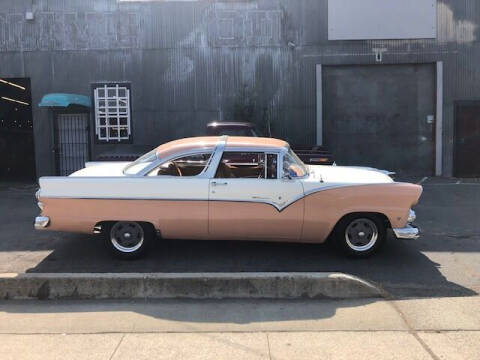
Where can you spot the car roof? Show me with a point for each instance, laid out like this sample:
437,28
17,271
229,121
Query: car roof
210,142
249,142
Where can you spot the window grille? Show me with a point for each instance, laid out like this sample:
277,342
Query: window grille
112,113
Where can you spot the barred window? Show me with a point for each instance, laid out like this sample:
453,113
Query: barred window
112,112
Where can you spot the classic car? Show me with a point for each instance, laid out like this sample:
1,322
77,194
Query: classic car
196,188
312,155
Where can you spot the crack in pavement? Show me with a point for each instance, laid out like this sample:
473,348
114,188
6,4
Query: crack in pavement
116,348
411,329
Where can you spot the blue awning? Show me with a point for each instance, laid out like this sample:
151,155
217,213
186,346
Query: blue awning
64,100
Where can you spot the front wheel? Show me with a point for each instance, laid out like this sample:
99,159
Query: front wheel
128,239
360,235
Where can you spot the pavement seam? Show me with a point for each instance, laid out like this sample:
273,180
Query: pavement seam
412,330
390,299
116,348
268,344
436,331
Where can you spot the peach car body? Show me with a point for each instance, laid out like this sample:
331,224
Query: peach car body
282,207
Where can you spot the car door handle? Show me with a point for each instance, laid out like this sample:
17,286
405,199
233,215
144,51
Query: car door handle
260,198
216,183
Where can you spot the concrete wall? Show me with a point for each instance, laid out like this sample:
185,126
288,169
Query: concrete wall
188,61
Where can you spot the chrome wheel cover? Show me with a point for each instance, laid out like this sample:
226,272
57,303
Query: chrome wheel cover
361,234
127,236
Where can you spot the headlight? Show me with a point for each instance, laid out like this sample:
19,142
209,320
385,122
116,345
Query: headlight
40,205
411,216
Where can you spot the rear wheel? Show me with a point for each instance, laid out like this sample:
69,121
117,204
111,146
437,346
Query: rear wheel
128,239
360,235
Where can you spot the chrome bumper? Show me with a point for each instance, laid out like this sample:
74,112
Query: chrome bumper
408,232
41,222
411,216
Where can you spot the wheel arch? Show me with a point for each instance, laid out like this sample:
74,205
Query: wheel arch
100,226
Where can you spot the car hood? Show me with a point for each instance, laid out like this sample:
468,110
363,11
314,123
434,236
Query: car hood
106,169
346,175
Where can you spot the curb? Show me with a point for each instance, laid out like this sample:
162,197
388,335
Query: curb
264,285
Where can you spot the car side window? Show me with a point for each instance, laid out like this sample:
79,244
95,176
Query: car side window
249,165
190,165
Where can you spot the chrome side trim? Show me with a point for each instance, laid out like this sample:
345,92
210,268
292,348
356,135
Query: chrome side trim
41,222
408,232
330,187
258,201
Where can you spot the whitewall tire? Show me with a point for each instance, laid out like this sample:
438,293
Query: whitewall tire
360,235
128,239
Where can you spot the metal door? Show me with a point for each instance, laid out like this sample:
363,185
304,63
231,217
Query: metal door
381,116
467,140
71,142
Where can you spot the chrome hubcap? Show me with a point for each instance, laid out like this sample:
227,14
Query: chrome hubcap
361,234
127,236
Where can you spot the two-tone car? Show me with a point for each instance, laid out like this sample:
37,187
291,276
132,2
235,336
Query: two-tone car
228,188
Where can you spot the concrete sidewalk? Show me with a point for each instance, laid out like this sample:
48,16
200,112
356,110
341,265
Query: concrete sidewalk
441,328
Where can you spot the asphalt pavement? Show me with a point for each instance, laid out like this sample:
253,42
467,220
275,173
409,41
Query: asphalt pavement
445,261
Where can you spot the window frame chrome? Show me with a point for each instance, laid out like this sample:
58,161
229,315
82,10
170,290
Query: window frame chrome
191,153
264,150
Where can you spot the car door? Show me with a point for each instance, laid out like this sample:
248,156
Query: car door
180,194
248,200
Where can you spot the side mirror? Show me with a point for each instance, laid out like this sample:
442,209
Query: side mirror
286,177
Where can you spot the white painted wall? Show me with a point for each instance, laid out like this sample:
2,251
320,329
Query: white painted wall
382,19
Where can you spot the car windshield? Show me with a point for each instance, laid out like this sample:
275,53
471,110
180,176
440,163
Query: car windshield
293,166
141,163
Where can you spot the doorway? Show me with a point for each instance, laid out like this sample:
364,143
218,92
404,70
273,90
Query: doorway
381,116
72,148
467,139
16,130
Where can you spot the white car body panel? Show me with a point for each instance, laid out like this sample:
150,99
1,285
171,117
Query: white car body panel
278,193
167,188
107,181
97,163
107,169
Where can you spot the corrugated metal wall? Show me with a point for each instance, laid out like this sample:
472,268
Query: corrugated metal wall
189,62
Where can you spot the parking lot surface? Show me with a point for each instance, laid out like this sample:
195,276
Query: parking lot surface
444,261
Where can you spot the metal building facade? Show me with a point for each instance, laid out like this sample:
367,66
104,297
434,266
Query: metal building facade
191,62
